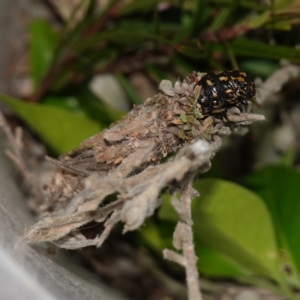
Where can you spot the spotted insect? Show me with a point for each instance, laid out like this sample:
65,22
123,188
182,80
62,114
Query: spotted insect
217,92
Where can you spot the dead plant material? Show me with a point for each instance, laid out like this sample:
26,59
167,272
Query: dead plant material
161,143
126,160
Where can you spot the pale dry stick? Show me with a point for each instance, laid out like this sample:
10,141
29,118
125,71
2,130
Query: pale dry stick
192,276
183,240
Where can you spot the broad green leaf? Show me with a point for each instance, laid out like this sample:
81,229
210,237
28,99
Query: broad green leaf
213,264
60,128
43,41
279,187
67,102
235,222
154,232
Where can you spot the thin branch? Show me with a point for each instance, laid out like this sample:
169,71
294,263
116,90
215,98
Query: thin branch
174,256
183,240
192,276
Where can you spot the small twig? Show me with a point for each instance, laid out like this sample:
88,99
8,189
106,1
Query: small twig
183,234
109,224
192,276
183,240
174,256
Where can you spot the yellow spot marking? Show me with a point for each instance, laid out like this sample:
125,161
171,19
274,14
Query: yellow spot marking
216,111
242,79
223,78
209,82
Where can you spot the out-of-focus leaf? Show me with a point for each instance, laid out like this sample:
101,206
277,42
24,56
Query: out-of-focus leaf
67,102
235,222
193,52
289,157
60,128
158,236
142,6
121,36
243,3
43,41
279,187
213,264
96,109
263,68
220,20
133,96
254,48
85,102
181,63
152,236
155,72
268,16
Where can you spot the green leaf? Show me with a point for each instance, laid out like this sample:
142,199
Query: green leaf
136,36
263,68
96,109
221,18
280,189
255,48
212,263
142,6
43,41
153,237
155,73
193,52
157,235
289,157
67,102
235,222
61,129
133,96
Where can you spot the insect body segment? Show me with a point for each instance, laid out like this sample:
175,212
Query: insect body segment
223,90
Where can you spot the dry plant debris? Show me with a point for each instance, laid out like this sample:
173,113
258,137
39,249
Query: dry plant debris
162,143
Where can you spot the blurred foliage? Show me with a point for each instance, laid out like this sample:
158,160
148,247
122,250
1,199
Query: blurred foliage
249,234
162,39
60,128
